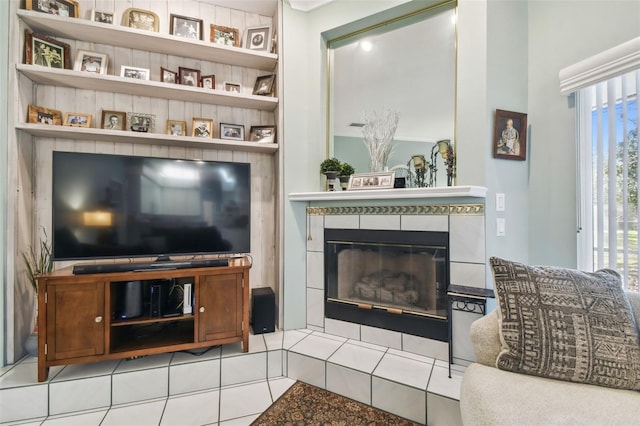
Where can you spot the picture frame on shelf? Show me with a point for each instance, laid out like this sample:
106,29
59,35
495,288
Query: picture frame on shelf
140,122
262,134
232,87
208,82
77,119
113,120
510,137
102,17
141,19
382,180
225,36
189,76
168,76
176,128
41,115
233,132
67,8
91,62
258,38
185,27
264,85
45,51
202,127
134,72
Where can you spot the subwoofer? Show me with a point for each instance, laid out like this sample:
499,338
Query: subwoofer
129,300
263,310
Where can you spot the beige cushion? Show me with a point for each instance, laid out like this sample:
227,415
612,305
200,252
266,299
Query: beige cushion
566,324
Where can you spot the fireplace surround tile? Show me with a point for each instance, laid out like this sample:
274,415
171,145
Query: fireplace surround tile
402,369
315,269
316,232
321,347
399,399
357,357
380,221
425,347
349,382
433,223
292,337
467,274
466,238
379,336
315,307
341,221
342,328
307,369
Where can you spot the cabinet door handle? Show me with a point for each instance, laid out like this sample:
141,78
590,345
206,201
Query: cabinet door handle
98,319
201,309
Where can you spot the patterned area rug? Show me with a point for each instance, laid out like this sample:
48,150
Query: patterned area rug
304,404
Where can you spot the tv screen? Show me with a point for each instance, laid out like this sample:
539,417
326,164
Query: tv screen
107,206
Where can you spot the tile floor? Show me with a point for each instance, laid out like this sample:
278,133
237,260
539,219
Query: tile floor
224,386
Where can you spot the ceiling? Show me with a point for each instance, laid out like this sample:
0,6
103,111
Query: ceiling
267,7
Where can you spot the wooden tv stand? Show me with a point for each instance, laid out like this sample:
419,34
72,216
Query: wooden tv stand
79,318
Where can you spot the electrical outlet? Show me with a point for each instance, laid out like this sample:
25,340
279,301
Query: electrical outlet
500,227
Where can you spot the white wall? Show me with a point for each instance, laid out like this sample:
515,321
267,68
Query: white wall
560,34
4,68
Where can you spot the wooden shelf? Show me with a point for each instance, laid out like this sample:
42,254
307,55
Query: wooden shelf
102,135
130,86
117,35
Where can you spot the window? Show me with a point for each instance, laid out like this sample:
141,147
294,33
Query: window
608,176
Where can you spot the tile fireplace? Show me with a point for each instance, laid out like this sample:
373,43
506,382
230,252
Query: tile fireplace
391,279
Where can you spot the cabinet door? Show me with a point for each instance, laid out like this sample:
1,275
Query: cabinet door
220,307
75,320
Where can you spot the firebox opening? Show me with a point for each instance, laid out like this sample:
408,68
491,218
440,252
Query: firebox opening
394,280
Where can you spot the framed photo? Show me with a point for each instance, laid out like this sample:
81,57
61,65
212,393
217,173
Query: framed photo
113,120
262,134
91,62
134,72
46,51
232,87
139,122
55,7
103,17
383,180
225,35
189,76
40,115
208,82
232,131
258,38
77,119
176,128
510,138
264,85
202,127
168,76
183,26
140,19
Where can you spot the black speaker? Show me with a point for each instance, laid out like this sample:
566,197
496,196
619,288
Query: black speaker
128,300
263,310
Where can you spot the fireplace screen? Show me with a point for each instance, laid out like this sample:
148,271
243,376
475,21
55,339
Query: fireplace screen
397,271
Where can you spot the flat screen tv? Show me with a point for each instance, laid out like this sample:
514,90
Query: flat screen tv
116,206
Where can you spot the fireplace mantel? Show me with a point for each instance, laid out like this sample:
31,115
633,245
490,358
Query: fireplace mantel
392,194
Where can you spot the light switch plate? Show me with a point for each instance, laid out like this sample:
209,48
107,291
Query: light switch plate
500,227
500,202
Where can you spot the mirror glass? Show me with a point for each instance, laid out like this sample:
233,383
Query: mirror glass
405,65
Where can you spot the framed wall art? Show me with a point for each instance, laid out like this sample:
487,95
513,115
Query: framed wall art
258,38
40,115
262,134
186,27
189,76
176,128
91,62
382,180
77,119
202,127
168,76
208,82
140,19
232,131
54,7
113,120
264,85
510,138
134,72
102,17
140,122
46,51
225,35
232,87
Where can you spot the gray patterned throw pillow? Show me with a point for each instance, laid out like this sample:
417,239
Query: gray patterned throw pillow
566,324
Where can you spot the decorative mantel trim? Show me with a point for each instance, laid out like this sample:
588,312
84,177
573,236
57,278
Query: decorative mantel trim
453,209
454,192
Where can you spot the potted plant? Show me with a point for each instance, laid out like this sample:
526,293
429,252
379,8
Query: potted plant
39,261
330,168
345,172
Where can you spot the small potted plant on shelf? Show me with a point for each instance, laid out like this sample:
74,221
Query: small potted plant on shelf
345,172
39,261
330,168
